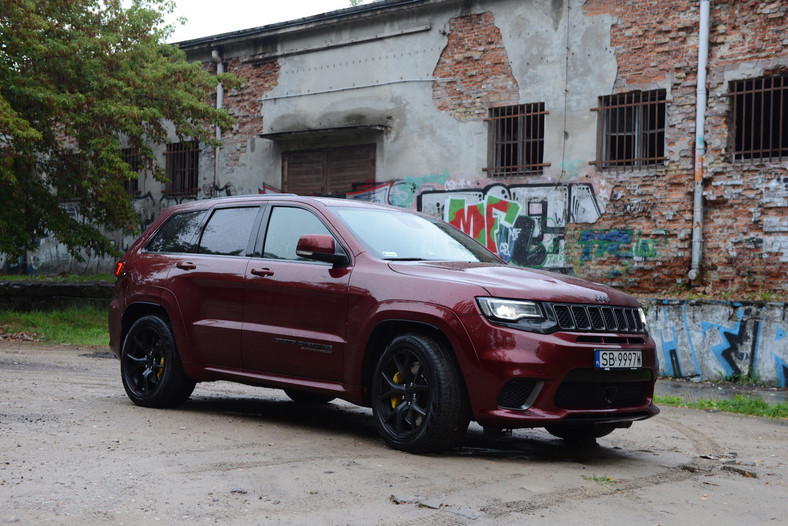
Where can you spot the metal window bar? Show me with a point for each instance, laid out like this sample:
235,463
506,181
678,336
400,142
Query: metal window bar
632,130
517,140
132,157
182,163
758,112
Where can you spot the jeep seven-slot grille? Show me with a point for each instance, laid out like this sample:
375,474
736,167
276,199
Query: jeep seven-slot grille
598,318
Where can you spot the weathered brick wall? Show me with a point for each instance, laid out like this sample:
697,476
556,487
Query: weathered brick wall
244,103
642,241
746,202
745,208
473,72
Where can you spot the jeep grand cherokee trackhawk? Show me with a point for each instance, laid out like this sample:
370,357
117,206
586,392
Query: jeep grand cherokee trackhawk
380,306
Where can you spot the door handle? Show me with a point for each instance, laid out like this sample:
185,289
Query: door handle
264,272
186,266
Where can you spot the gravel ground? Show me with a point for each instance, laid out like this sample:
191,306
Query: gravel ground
74,450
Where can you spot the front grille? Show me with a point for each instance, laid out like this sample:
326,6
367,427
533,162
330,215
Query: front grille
517,393
597,318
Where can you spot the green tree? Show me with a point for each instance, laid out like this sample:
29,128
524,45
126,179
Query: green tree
79,81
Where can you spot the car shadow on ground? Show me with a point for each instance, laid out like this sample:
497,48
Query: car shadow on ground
331,417
340,418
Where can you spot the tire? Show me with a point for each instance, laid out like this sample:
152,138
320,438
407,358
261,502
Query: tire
418,397
577,433
307,397
150,366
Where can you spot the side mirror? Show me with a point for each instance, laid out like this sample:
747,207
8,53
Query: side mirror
320,247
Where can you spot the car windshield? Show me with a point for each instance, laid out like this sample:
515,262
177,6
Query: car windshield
403,236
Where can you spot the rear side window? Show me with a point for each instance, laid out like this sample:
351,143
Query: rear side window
228,230
178,234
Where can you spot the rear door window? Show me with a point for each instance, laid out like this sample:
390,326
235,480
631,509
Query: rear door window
228,231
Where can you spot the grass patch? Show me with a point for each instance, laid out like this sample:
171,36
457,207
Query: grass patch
741,379
603,479
744,405
75,325
61,278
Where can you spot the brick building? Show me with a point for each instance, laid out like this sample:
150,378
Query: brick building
560,133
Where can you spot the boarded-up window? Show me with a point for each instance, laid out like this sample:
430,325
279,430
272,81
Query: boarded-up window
330,172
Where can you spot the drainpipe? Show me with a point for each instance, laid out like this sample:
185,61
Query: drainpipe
700,146
216,56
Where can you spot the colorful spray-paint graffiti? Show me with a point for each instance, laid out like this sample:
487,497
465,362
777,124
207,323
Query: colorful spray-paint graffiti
524,224
713,340
625,244
402,192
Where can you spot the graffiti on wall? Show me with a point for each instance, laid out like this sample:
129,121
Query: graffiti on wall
402,192
525,224
622,245
714,340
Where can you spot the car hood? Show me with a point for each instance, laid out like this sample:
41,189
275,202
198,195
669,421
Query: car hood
516,282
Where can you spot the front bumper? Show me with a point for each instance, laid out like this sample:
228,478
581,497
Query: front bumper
529,379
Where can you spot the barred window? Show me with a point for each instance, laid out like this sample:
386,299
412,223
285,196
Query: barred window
132,157
631,130
758,113
517,140
70,175
182,161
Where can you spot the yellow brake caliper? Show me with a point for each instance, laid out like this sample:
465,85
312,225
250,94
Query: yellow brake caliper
396,400
160,372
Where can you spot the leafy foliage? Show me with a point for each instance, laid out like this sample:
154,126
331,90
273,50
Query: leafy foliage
80,80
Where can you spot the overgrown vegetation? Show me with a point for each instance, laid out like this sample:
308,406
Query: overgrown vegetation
741,379
75,326
87,87
745,405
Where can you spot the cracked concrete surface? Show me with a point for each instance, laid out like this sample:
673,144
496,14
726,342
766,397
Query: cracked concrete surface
73,449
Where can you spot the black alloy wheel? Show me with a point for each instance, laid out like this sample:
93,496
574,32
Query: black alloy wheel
419,400
150,367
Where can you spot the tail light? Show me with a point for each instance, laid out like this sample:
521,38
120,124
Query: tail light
118,268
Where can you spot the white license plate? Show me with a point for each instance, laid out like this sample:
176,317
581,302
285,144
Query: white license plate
618,359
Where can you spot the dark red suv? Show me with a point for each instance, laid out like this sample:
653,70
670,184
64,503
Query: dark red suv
382,307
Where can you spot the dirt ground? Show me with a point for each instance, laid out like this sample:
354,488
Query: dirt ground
74,450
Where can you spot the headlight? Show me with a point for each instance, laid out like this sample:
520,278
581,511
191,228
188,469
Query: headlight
497,309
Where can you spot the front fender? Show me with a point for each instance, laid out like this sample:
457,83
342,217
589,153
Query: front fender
413,314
